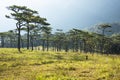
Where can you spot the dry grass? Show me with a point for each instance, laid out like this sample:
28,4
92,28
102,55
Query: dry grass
39,65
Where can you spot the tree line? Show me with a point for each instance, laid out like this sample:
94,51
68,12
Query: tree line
39,35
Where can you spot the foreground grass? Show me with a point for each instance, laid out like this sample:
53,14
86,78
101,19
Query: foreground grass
38,65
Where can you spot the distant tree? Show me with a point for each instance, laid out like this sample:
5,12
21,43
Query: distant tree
72,38
66,42
46,32
2,35
78,38
58,39
115,44
41,22
12,35
103,27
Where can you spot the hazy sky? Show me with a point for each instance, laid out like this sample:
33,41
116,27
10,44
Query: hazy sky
65,14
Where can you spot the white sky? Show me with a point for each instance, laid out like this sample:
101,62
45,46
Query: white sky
65,14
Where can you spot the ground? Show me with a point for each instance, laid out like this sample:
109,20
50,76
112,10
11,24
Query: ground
38,65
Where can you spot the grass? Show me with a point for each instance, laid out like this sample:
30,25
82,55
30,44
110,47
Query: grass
37,65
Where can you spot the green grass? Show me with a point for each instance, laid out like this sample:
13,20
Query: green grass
37,65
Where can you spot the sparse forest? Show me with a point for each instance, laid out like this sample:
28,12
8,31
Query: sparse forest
33,51
38,35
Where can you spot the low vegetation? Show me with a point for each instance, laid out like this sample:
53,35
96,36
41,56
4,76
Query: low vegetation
38,65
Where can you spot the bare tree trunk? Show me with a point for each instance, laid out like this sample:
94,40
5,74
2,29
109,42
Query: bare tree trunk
43,45
2,41
47,44
19,37
28,31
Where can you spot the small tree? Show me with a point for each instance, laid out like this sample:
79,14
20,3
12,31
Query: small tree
103,27
2,35
46,32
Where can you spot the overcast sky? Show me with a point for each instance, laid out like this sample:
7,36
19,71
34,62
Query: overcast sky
65,14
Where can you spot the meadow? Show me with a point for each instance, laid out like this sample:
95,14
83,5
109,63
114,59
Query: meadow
38,65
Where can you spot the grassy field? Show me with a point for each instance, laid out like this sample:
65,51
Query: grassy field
37,65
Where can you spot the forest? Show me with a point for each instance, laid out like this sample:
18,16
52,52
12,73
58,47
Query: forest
34,32
33,51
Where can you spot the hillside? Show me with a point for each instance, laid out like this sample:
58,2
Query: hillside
115,29
37,65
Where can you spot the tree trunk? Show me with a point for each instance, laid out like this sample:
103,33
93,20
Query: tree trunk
66,47
19,37
11,42
2,41
43,45
47,43
31,41
28,31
